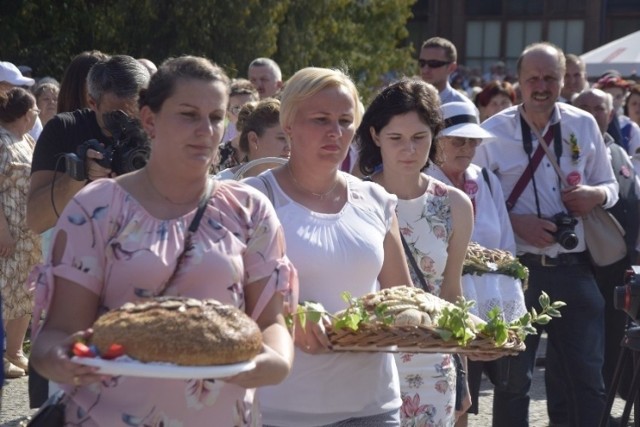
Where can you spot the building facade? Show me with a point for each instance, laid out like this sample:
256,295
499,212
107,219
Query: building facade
487,31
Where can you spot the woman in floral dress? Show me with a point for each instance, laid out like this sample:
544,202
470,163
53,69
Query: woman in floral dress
118,240
436,222
19,247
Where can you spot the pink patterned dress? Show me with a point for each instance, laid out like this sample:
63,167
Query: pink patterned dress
427,381
117,250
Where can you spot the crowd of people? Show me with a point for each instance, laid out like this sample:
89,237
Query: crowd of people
349,197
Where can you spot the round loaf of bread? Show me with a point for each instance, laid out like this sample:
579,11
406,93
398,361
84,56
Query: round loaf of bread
183,331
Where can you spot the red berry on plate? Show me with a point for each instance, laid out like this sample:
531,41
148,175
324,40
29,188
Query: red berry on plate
114,350
82,350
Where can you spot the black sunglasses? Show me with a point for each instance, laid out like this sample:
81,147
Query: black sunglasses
432,63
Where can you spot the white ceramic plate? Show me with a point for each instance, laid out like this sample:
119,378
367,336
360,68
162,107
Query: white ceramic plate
133,368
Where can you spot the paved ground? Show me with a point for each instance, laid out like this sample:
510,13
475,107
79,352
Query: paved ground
15,406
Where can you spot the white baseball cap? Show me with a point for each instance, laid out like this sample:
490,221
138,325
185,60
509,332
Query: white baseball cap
11,74
461,119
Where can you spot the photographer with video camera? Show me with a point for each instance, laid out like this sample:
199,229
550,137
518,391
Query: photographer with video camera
112,85
79,140
547,219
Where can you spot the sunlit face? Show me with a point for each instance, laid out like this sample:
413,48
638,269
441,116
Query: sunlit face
265,80
404,144
540,80
598,108
235,104
574,81
498,103
618,95
323,126
633,107
48,104
436,75
455,153
110,102
188,128
272,143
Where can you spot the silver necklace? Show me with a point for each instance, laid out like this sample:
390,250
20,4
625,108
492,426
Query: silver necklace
321,196
164,197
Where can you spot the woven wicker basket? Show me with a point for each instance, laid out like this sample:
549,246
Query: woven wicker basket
415,339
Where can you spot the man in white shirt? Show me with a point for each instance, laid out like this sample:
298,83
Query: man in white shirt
575,78
437,62
266,76
600,105
560,268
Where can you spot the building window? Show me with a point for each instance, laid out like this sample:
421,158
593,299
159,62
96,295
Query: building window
518,35
483,44
567,34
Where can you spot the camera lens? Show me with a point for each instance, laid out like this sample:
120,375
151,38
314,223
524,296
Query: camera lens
136,159
567,239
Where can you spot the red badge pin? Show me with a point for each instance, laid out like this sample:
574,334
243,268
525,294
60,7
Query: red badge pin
470,187
574,178
624,171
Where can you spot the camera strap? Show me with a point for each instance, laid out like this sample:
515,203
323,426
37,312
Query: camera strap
554,133
557,145
193,227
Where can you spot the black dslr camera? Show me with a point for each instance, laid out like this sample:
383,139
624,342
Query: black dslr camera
129,151
565,234
627,296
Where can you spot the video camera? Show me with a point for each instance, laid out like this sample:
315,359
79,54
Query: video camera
129,151
627,296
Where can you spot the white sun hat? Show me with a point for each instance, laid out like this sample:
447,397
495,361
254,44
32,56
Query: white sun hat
461,119
11,74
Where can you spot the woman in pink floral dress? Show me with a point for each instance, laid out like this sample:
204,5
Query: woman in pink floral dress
118,240
436,222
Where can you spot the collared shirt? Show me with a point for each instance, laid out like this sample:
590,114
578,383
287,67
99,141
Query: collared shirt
504,155
449,94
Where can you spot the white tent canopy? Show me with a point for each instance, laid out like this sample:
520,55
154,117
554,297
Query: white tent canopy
622,55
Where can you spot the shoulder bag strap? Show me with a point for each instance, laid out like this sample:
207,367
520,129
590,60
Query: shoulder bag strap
414,264
533,164
408,254
193,227
545,147
485,175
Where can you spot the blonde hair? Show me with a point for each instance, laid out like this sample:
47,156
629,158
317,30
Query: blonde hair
309,81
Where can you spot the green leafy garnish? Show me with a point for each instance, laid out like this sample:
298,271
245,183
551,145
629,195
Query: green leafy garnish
454,322
306,310
355,315
498,329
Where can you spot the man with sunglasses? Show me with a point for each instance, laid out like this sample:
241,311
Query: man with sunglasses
437,62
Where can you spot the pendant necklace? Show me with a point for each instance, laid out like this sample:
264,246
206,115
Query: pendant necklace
321,196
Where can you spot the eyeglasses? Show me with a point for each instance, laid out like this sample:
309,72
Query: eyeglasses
459,142
235,109
432,63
